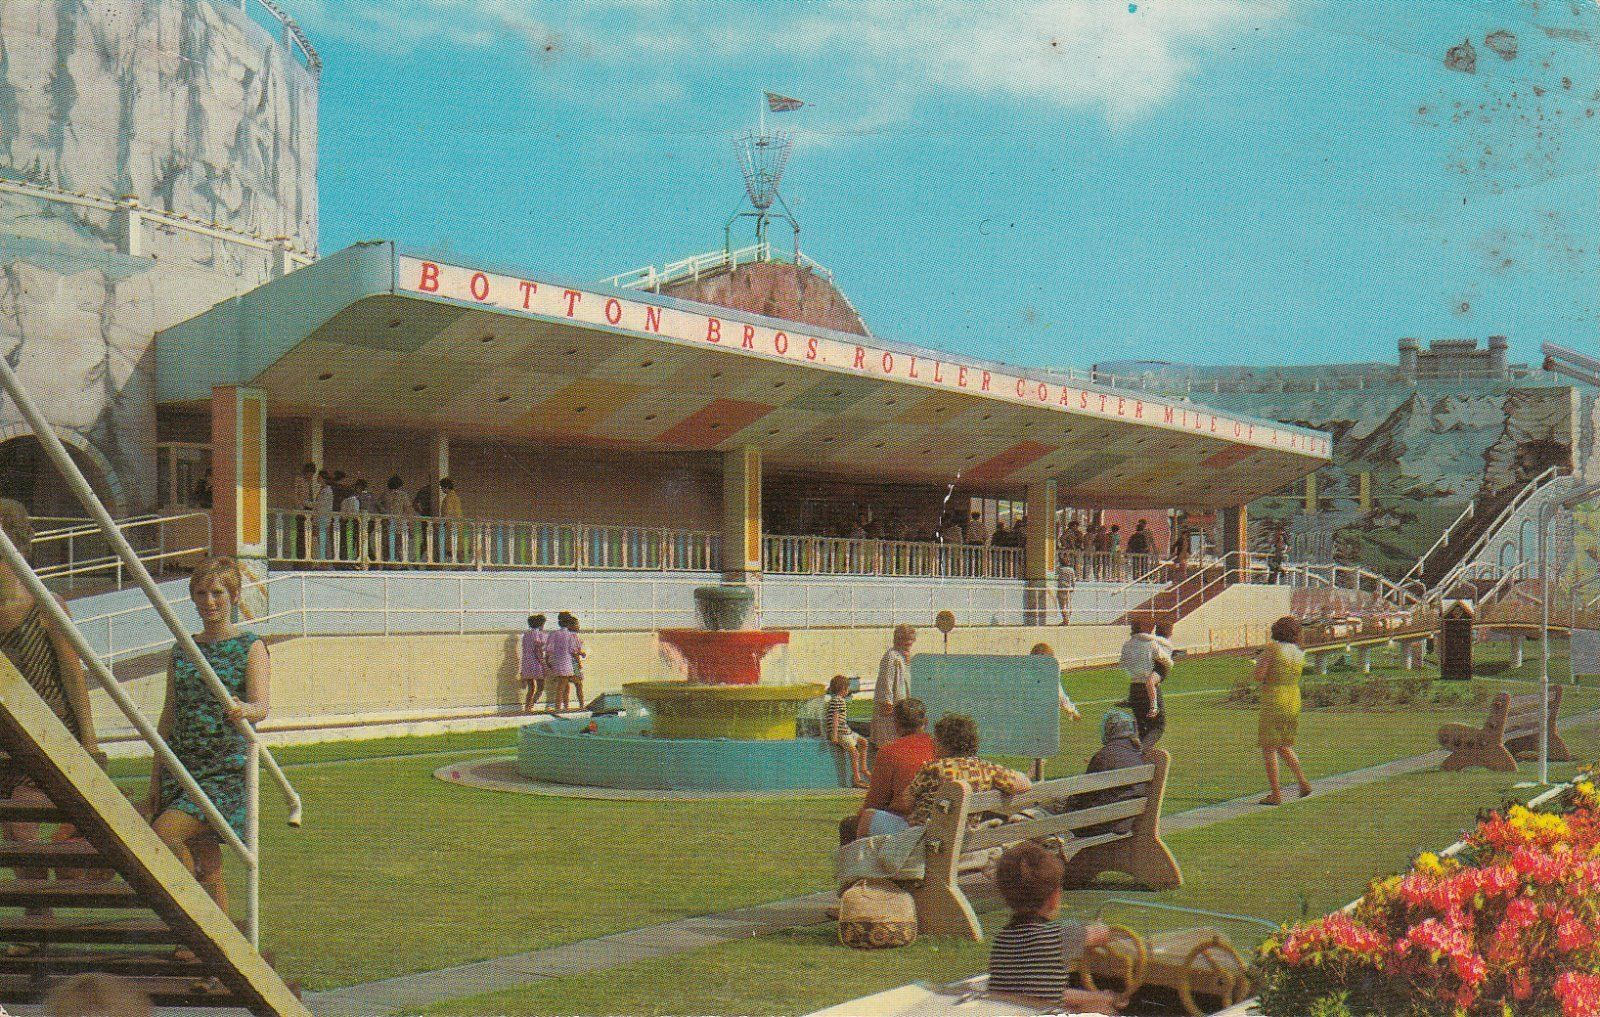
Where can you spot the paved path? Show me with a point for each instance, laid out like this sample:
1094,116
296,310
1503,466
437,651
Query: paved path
429,988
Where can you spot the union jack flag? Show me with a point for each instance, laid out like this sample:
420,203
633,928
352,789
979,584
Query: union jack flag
782,103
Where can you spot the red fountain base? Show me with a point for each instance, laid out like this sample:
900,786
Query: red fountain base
723,657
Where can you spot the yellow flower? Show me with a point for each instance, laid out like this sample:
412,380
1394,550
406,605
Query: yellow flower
1428,864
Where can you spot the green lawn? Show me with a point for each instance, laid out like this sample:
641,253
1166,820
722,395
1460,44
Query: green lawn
1304,858
396,872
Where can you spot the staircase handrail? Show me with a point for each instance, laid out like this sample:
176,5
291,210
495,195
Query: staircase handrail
257,753
1415,572
1529,489
1402,595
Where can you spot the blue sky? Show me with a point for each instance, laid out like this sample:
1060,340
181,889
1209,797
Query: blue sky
1216,181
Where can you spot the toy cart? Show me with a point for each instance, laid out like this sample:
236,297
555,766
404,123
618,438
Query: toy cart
1199,968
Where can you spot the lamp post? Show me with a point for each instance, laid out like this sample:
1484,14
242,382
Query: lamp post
1547,511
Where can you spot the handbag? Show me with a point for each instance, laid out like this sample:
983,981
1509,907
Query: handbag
875,914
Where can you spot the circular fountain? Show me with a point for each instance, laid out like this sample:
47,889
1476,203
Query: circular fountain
719,730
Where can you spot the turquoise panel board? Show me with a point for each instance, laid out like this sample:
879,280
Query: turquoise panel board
1015,700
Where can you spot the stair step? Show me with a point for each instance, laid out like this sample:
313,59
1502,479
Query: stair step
67,893
13,811
39,929
43,853
57,961
163,990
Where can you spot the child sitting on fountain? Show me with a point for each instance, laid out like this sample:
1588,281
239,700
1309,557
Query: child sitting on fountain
837,729
1033,956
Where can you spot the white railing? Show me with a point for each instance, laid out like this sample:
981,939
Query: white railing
293,37
651,278
1527,492
1114,566
129,218
455,603
248,848
75,552
842,556
362,540
1466,516
1353,579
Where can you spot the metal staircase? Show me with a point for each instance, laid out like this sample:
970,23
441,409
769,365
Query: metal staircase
1454,556
127,924
120,901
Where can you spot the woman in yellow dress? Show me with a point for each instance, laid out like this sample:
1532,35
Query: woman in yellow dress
1278,669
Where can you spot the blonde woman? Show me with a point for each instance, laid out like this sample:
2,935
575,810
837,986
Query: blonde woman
201,730
47,661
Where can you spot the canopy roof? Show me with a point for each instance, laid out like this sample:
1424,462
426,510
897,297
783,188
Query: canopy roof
377,337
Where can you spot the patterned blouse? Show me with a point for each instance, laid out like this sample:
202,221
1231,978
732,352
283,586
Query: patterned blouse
981,774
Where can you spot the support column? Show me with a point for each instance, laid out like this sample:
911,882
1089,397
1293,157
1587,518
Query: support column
311,443
1364,490
1039,553
1236,533
1516,651
1311,494
239,479
741,516
439,457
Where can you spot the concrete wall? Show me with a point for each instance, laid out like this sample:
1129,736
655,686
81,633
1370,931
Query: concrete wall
189,106
1238,616
349,680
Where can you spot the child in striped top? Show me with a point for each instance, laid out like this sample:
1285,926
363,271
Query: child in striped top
836,728
1034,955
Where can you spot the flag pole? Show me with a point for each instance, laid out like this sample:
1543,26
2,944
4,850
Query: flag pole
761,116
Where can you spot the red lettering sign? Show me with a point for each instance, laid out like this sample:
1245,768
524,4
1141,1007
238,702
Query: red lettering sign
1138,410
984,384
861,359
429,283
938,372
1166,414
528,290
961,376
479,285
573,296
780,342
652,319
713,330
1122,406
613,310
811,348
913,367
1065,392
1044,392
749,340
1021,388
887,360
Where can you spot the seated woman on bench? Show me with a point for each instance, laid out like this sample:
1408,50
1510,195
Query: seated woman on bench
956,737
1120,748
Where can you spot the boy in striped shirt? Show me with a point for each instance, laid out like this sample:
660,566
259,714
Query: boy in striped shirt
1034,955
837,729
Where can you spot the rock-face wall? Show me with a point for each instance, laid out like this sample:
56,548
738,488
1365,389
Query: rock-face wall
1428,449
776,290
188,106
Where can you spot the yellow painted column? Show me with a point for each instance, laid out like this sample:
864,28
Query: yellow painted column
741,515
1311,494
239,478
1039,552
1364,479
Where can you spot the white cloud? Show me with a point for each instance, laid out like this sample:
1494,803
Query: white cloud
1067,54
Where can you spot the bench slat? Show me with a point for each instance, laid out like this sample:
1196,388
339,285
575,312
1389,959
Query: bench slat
1011,833
1062,787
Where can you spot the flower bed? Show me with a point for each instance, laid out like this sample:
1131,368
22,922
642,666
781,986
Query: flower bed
1376,693
1506,926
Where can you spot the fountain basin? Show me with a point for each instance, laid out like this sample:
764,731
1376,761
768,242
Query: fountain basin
750,712
621,755
715,657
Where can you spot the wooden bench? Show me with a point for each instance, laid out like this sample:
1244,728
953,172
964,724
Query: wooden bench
942,908
1510,733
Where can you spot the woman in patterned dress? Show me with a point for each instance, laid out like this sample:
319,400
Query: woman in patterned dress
1278,669
201,729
